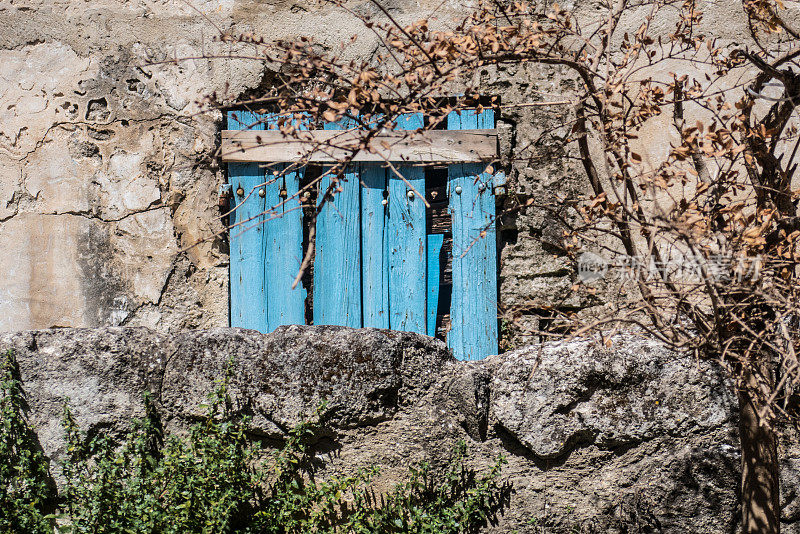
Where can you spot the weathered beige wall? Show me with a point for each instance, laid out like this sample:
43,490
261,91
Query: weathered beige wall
107,173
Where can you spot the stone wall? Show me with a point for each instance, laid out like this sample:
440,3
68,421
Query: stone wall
598,438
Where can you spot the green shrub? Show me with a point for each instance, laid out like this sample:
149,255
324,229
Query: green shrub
216,479
26,489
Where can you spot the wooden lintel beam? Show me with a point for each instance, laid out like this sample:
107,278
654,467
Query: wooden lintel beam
330,146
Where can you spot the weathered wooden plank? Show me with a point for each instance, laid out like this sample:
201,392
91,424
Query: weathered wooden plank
284,252
284,241
473,315
434,251
247,238
374,246
407,243
337,265
284,231
321,146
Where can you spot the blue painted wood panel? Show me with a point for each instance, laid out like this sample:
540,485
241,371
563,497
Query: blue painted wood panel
247,236
473,314
435,242
284,248
407,243
374,246
337,263
374,264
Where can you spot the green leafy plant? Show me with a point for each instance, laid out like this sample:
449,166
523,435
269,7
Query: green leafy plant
217,479
26,489
204,482
456,500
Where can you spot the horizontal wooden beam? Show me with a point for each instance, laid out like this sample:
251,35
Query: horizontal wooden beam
330,146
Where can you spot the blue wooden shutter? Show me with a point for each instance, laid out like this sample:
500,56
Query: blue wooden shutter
374,264
473,313
266,241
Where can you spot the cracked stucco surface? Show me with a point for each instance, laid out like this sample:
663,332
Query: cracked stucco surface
103,178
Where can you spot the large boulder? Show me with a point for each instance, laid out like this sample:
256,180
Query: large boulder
554,397
364,376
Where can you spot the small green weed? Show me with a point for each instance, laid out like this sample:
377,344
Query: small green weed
26,489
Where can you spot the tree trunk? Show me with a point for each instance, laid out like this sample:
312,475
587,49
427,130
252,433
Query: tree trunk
760,483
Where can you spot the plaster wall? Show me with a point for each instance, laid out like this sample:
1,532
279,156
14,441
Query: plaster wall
108,173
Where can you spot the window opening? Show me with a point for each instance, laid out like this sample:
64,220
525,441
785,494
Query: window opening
382,258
